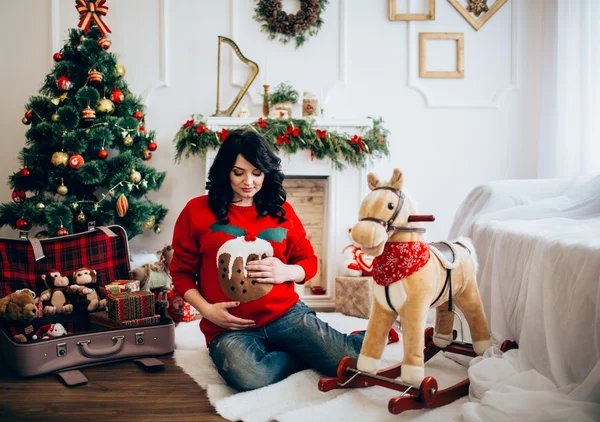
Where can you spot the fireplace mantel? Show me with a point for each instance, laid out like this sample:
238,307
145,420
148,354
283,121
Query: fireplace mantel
345,190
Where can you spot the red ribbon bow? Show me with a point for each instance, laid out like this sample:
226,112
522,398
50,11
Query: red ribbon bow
321,133
202,128
261,122
223,134
89,11
283,138
360,146
188,123
292,131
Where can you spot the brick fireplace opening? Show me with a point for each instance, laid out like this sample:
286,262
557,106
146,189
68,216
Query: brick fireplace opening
308,196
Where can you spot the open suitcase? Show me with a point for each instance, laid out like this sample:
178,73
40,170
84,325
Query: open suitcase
104,249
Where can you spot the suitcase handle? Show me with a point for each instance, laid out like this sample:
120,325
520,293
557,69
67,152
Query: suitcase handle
99,353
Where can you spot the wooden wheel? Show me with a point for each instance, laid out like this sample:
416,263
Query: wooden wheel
429,391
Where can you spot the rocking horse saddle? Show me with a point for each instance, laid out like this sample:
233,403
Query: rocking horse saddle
448,255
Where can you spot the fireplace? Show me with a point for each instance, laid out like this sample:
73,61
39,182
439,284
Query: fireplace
326,199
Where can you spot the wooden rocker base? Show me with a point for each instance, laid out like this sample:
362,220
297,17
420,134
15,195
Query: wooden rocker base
426,396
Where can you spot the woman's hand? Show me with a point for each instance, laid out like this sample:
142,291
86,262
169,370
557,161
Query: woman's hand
218,314
272,270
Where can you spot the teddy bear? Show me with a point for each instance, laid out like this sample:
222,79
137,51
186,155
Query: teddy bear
85,284
20,310
356,262
50,331
57,298
155,276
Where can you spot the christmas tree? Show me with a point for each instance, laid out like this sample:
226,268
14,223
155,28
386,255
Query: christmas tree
86,147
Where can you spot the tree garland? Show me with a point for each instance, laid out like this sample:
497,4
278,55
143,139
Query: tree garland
307,22
289,136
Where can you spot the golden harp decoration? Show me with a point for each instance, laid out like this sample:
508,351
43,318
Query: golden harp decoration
244,88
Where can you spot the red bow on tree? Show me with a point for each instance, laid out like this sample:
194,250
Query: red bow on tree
202,128
89,11
261,122
292,131
283,138
189,123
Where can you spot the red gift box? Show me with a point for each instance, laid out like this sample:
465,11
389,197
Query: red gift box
101,318
179,310
130,305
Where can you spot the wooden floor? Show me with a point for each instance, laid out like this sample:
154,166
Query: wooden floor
115,392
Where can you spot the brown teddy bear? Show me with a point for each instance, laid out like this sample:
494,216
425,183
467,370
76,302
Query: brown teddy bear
19,308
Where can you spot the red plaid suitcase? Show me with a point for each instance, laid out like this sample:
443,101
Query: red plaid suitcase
104,249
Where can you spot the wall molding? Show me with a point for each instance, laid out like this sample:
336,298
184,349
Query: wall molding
163,73
55,44
419,85
342,77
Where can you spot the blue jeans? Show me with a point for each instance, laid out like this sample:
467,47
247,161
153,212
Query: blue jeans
254,358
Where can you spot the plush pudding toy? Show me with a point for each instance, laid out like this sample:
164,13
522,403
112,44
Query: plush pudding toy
56,299
20,310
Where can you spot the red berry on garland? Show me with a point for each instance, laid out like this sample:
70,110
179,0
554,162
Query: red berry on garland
24,172
116,96
18,196
76,161
152,146
138,115
57,57
62,231
23,224
102,154
64,84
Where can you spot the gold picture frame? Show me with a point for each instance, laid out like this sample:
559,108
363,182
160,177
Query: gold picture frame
459,37
477,23
244,88
429,16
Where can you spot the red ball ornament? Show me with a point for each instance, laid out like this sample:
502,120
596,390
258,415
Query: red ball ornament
64,84
62,232
76,161
18,196
104,43
27,118
57,57
102,154
138,115
152,146
24,172
23,224
116,96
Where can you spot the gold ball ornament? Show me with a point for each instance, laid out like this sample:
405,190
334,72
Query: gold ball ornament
54,117
122,205
62,190
128,141
105,106
60,158
149,223
157,229
40,206
120,70
135,176
81,218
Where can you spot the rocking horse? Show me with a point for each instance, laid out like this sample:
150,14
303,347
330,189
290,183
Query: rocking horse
411,277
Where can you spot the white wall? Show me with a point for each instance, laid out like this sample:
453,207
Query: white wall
460,134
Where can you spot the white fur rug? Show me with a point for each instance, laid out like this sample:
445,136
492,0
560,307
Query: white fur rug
297,398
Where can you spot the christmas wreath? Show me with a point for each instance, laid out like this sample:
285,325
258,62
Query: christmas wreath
289,136
299,26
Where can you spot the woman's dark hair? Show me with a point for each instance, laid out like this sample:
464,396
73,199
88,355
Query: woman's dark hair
255,149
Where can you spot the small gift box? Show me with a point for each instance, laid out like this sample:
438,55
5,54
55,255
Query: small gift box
179,310
130,305
353,296
122,286
102,319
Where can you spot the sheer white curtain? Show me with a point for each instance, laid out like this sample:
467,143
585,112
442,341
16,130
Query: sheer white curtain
570,112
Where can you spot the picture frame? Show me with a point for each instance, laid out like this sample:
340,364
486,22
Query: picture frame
477,23
428,16
459,73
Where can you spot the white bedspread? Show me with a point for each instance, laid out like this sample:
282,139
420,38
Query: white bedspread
538,243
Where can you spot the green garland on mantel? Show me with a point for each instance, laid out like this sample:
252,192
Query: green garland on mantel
289,136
